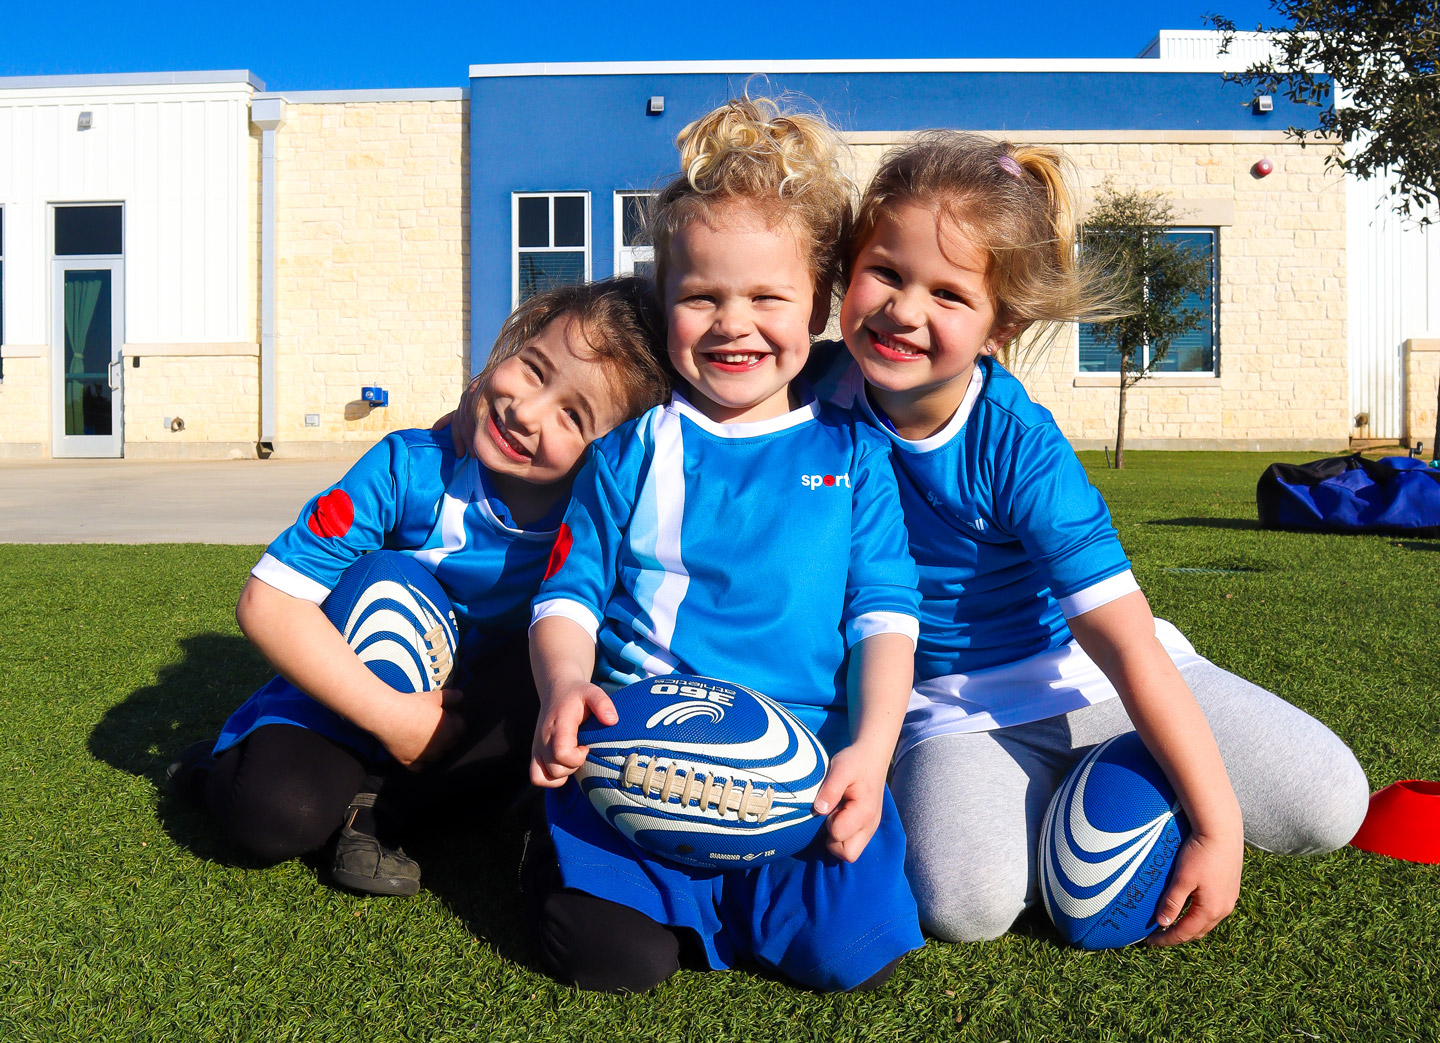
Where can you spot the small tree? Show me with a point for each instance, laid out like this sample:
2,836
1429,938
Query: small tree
1157,277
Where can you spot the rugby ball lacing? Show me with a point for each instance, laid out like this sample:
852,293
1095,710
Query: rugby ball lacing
654,779
440,662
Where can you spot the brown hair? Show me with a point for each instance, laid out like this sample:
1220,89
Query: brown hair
787,165
621,327
1013,202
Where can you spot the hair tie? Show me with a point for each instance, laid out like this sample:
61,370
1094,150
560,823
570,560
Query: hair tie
1008,164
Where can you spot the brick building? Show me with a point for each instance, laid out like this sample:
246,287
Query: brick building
191,266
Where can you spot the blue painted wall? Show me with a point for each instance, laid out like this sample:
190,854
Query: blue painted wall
592,134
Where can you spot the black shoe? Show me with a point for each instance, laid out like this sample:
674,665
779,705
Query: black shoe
185,777
364,864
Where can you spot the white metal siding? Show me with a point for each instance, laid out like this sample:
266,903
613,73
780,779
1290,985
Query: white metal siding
175,156
1394,289
1187,45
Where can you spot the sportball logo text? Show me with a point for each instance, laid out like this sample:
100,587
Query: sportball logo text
824,481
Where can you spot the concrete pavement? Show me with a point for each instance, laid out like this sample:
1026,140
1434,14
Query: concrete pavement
124,501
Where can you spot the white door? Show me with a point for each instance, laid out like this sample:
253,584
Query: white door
87,327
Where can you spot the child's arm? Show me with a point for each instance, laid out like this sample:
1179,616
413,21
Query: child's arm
562,655
882,668
1120,638
306,649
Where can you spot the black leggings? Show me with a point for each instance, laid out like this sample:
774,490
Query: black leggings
283,791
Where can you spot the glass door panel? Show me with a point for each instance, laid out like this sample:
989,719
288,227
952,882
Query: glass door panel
87,354
87,360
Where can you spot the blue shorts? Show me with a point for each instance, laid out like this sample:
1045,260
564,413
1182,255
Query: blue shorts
817,920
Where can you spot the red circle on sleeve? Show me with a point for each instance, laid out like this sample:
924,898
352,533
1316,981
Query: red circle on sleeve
333,514
561,550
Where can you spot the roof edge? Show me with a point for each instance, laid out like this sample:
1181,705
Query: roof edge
135,79
858,65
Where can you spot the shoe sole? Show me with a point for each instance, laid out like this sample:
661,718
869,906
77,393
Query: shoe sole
393,887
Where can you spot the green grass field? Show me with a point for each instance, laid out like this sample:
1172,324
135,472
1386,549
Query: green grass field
123,916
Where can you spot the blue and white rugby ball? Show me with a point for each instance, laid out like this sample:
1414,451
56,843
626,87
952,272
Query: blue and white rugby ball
1108,846
398,619
704,772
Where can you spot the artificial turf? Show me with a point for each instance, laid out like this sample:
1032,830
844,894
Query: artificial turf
124,916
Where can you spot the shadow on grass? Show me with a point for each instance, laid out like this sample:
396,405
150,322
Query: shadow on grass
470,864
189,701
1208,523
1419,546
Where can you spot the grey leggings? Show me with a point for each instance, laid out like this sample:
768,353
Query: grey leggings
972,802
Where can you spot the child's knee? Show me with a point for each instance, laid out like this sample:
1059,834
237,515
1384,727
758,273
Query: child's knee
974,906
969,918
1326,816
275,827
601,946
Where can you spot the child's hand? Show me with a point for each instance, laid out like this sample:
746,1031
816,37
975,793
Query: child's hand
1207,872
557,752
419,728
855,787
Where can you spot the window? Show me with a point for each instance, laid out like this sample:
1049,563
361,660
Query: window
88,230
1192,353
633,255
551,241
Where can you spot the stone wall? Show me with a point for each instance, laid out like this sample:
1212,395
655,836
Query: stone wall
1422,387
1282,377
371,264
25,403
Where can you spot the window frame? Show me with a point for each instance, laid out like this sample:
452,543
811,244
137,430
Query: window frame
516,250
1214,371
627,257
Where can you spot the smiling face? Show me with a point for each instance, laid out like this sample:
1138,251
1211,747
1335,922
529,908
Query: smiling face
539,410
917,314
741,306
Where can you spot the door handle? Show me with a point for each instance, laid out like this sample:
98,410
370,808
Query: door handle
113,374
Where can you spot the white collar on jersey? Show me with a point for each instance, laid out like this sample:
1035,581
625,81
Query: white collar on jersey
939,438
808,410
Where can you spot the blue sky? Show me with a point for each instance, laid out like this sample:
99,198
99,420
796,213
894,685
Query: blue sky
306,46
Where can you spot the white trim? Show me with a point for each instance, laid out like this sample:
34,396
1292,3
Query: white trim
273,572
808,411
627,257
945,434
133,79
566,609
457,496
346,97
1098,594
133,350
857,65
871,623
515,246
668,469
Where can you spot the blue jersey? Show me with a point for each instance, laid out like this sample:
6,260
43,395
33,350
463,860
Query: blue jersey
408,493
756,553
1009,535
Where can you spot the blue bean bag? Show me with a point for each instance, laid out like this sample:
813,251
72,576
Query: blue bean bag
1397,495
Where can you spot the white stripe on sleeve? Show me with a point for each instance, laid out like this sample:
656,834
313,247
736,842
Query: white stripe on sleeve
1097,594
270,569
567,609
871,623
